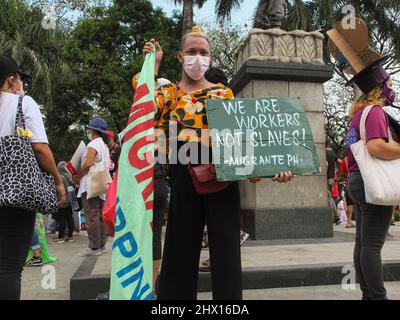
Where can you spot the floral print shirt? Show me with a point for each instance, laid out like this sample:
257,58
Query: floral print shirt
187,109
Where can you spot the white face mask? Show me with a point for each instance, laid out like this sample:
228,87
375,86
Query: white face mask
89,135
21,91
196,66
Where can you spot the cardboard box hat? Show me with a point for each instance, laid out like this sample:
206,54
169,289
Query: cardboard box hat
351,50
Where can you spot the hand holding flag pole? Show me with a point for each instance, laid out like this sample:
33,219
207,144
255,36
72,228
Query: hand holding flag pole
149,47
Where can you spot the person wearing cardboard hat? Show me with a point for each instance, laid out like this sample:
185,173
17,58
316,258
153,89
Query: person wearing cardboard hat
350,49
17,225
96,152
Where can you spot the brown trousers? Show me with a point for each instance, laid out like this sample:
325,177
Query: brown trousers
94,221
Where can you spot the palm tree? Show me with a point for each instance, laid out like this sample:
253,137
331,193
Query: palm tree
37,50
225,7
187,22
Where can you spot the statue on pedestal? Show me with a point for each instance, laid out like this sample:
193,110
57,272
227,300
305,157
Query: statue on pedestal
270,14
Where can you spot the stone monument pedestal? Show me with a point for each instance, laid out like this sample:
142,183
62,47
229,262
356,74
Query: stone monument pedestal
278,63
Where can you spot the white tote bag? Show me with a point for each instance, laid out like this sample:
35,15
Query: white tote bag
381,177
98,179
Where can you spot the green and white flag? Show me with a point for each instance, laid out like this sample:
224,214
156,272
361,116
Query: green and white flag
132,254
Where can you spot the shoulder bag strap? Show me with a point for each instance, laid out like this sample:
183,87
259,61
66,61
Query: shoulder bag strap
363,122
19,118
100,152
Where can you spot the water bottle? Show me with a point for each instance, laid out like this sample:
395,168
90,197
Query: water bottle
74,200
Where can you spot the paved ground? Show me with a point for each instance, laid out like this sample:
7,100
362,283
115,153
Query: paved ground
310,293
305,251
254,254
68,263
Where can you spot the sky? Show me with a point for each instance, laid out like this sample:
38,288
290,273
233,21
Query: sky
241,16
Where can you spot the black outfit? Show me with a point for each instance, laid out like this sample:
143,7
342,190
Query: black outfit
160,205
65,219
64,213
331,158
188,214
372,226
16,231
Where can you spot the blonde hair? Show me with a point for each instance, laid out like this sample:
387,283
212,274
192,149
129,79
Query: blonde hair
196,32
374,97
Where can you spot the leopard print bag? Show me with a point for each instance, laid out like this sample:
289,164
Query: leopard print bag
23,184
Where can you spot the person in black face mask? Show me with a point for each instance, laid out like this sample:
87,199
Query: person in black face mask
371,124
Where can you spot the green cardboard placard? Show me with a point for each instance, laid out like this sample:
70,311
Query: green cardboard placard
260,137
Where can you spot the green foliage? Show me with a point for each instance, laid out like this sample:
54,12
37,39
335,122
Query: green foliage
337,99
86,70
187,13
225,40
36,49
396,214
225,7
103,53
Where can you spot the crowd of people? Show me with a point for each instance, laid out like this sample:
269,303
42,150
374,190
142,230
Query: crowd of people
339,197
177,265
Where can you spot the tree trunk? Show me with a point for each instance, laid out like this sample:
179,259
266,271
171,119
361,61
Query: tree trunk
187,16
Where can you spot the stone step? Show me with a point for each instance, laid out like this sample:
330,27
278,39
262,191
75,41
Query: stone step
266,264
85,285
331,292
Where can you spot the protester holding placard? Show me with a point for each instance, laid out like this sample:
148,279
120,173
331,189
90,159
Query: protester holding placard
76,160
216,75
189,209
